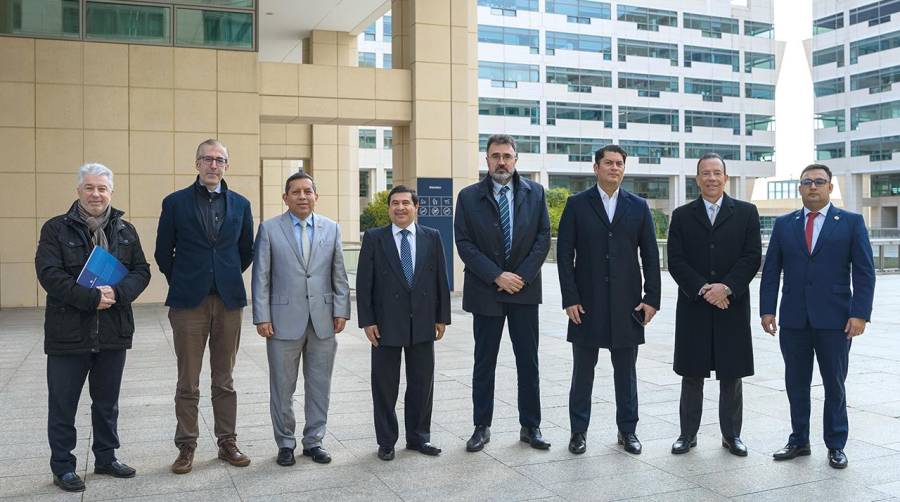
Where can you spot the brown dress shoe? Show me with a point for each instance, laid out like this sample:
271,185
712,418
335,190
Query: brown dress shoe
185,461
229,452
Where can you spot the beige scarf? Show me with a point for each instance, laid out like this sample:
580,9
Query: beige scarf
96,225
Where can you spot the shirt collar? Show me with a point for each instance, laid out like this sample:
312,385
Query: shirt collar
498,187
605,197
718,203
218,188
295,220
396,230
822,211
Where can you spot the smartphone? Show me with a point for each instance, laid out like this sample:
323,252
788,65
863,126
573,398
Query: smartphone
638,316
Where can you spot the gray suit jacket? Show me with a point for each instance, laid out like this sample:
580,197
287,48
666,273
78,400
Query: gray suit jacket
286,293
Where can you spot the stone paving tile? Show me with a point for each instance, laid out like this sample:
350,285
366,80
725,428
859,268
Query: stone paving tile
828,489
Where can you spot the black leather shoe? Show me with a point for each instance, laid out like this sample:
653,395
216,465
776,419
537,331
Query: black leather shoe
318,455
735,446
792,451
683,445
532,436
69,482
480,437
578,443
630,441
836,458
425,448
285,457
116,469
385,453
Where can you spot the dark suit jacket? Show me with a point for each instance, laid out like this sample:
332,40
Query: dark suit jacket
479,241
598,267
817,285
191,262
405,315
707,337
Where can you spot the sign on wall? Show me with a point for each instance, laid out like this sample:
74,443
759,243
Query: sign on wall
436,211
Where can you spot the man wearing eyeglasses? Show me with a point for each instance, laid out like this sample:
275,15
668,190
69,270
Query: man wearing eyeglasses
821,250
502,232
203,244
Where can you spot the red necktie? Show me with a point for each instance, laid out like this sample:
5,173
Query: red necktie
810,220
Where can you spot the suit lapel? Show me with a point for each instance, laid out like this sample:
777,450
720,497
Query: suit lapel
700,213
799,230
393,257
318,239
287,228
831,222
725,211
597,204
423,250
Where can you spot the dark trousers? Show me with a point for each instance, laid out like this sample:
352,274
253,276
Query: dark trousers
523,333
624,379
65,379
832,351
731,406
417,402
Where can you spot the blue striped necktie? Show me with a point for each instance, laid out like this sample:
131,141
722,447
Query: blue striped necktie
406,256
504,220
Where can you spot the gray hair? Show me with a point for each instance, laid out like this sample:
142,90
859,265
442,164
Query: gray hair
210,142
95,169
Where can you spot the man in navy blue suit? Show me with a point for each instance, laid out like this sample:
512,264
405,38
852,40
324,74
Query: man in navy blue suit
821,250
203,244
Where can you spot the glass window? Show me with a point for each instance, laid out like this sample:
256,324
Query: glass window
577,79
509,7
511,108
575,42
524,144
578,111
726,57
648,85
365,176
830,151
388,139
829,87
885,185
874,13
830,55
693,118
828,23
236,4
870,113
367,139
366,59
509,36
875,81
576,149
697,150
759,91
387,61
783,189
876,148
579,11
648,50
758,123
647,187
759,29
389,179
508,74
574,183
760,153
872,45
369,32
759,60
139,23
388,27
638,115
650,152
711,26
209,28
834,118
691,190
712,90
55,18
646,18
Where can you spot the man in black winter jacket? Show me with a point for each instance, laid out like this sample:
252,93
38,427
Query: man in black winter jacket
87,330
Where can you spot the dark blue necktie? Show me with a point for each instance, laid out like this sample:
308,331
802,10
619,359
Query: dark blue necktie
406,256
504,220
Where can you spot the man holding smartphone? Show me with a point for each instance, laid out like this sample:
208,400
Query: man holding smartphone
606,296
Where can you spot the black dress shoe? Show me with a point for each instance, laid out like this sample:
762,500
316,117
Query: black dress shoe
792,451
480,437
285,457
836,458
385,453
425,448
318,455
532,436
578,443
630,441
735,446
69,482
683,445
116,469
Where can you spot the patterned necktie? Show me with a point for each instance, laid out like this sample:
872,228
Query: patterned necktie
713,211
304,243
406,256
810,223
504,220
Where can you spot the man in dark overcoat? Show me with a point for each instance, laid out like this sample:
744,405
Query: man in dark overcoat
714,252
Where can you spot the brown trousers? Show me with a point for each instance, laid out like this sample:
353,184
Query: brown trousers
191,330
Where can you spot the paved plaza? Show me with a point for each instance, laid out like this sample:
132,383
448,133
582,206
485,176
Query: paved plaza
507,469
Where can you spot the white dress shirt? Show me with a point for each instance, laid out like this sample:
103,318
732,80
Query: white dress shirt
609,203
411,238
709,205
509,200
817,223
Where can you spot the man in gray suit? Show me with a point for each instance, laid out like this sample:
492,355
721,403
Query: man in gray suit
301,300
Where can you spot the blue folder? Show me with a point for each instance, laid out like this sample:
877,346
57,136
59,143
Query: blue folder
101,269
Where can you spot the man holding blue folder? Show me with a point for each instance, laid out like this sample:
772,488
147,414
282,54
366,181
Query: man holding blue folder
87,328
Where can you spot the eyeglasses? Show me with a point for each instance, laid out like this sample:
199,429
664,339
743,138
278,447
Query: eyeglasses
820,182
507,157
206,160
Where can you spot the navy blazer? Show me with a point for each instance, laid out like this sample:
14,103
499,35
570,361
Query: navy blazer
404,315
479,241
191,262
598,267
817,285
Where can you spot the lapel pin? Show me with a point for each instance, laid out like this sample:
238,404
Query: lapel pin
836,217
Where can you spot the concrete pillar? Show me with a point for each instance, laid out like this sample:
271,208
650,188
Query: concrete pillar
852,194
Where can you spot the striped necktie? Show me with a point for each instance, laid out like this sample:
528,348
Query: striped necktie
503,203
406,256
